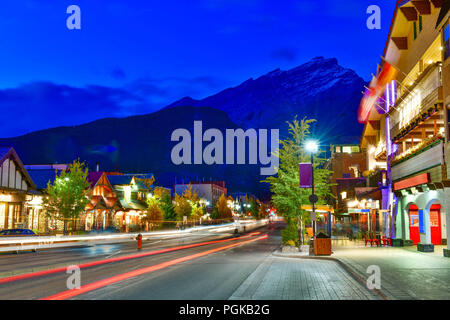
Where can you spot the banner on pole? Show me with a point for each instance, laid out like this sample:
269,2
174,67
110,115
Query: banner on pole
305,175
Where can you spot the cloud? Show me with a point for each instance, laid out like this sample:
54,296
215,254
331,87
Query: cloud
40,105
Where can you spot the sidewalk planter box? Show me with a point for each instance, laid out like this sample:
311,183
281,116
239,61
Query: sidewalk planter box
408,243
447,253
397,242
424,247
322,246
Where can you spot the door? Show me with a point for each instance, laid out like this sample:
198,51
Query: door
435,224
414,234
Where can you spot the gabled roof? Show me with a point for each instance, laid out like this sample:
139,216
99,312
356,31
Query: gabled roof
10,153
93,177
120,179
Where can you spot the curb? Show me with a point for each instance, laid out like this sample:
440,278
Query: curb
344,265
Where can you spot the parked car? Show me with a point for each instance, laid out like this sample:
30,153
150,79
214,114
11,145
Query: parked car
17,233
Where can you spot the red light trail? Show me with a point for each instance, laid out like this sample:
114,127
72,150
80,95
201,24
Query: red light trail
102,283
100,262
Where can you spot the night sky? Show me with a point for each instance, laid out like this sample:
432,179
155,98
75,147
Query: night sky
135,57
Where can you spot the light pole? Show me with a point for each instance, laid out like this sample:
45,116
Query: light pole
312,147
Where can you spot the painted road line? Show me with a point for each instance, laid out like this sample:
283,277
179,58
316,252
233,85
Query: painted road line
124,276
104,261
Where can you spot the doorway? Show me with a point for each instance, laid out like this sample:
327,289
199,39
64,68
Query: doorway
435,224
414,234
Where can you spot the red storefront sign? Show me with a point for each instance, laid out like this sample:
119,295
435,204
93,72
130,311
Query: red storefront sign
413,181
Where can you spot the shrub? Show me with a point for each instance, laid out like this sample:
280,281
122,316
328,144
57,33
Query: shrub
289,235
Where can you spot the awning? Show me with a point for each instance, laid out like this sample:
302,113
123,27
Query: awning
318,208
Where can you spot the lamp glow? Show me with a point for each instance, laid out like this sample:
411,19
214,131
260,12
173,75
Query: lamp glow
311,146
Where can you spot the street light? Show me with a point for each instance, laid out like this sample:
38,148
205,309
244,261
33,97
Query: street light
312,147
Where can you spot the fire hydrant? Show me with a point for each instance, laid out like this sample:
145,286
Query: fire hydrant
139,241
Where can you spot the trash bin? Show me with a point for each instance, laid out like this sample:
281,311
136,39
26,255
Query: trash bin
322,245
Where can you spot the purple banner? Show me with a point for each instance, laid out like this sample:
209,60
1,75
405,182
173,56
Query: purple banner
305,175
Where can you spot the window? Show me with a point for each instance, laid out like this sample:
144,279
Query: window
415,30
420,23
447,41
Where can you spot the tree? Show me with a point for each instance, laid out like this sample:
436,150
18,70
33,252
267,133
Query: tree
287,197
182,207
165,203
168,208
154,213
223,208
67,196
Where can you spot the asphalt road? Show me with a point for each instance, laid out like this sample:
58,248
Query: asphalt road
226,267
47,285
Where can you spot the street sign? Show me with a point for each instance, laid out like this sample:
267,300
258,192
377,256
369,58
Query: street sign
313,198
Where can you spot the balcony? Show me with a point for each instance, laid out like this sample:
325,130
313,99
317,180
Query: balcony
418,103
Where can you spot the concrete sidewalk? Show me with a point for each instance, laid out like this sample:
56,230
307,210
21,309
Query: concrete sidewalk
279,278
405,272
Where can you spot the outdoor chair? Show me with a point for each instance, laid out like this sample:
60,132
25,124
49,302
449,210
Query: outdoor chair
372,241
386,241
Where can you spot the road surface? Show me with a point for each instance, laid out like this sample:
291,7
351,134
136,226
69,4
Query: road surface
205,267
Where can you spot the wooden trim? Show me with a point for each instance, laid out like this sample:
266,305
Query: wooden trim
410,13
400,42
423,6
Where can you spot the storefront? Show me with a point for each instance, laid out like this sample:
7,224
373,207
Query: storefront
420,209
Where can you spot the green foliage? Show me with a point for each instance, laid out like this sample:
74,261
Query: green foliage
154,212
289,235
67,197
287,197
215,214
168,208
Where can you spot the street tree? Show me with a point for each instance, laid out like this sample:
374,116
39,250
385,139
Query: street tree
223,207
154,213
287,196
67,196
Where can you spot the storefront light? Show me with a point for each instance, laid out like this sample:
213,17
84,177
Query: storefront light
5,198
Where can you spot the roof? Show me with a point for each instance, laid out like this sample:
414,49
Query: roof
444,10
119,179
42,177
93,177
125,179
9,152
133,205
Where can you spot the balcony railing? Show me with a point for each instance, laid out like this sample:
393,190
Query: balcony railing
419,98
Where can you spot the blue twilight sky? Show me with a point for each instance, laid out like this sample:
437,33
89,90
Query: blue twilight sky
135,57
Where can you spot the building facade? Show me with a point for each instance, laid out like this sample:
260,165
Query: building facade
414,109
209,192
18,195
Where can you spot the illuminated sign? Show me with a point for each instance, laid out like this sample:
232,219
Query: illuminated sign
413,181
